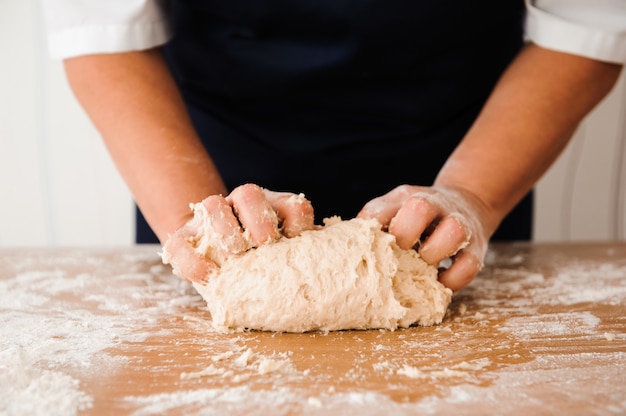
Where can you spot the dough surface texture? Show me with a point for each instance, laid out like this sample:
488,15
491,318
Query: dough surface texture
346,275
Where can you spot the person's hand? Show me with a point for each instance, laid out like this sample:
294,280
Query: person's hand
224,226
440,223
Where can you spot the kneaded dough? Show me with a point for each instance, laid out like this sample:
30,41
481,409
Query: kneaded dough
347,275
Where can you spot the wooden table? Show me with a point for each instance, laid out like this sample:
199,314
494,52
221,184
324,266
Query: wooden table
111,331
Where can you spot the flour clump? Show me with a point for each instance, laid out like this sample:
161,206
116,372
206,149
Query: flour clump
346,275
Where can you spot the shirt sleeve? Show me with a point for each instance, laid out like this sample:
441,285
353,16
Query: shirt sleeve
82,27
592,28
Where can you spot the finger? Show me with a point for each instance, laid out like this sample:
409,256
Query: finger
185,261
385,207
465,266
413,218
294,211
447,239
255,213
220,227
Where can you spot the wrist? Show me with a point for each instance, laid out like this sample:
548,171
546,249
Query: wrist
172,214
474,206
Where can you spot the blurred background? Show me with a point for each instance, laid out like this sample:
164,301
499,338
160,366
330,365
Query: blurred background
59,187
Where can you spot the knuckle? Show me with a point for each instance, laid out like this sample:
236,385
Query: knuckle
403,189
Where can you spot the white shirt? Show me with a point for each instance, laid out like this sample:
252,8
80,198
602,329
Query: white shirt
81,27
592,28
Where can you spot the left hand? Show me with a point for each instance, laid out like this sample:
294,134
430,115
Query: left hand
440,223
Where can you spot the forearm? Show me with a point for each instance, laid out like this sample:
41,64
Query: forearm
525,124
136,106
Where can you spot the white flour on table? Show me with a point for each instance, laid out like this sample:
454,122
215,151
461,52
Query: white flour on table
42,339
46,342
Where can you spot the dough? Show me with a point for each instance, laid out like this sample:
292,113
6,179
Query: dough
347,275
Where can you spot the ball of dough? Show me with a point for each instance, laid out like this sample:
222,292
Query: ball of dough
346,275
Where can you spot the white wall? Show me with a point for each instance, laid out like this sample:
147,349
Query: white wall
58,186
583,196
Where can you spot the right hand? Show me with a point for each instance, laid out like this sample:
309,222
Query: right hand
248,217
439,222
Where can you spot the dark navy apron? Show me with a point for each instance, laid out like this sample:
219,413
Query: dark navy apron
340,99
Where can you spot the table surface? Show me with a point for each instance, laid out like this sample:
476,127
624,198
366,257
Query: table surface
542,330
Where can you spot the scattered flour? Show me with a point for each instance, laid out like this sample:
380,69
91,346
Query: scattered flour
553,325
46,331
270,365
211,370
462,309
25,389
44,341
249,363
222,356
278,401
411,372
414,372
